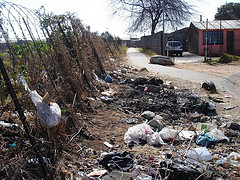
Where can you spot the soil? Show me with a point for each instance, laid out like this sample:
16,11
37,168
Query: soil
81,153
215,69
107,125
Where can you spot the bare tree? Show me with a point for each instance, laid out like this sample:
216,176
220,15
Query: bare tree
148,14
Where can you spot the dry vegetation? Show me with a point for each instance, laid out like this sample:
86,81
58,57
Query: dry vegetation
64,66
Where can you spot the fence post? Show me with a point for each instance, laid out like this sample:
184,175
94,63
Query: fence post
22,116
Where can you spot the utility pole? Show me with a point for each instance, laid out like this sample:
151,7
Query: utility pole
206,42
163,36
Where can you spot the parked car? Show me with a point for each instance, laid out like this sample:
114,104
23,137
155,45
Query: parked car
174,47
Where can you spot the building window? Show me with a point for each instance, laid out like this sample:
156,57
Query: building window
214,37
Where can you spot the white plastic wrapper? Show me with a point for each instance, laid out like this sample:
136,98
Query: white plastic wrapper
49,114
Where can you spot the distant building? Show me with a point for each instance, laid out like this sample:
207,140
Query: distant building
223,36
132,42
179,35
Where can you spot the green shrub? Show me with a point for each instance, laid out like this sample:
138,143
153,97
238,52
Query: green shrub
236,58
147,51
226,58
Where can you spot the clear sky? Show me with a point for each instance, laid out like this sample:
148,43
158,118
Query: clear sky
96,13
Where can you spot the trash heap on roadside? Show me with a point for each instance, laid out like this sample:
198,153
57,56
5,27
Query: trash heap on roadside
179,135
169,133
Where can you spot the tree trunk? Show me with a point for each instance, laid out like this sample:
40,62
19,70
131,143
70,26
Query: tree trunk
153,28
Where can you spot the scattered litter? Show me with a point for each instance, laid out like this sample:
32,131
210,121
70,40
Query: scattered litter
169,134
205,126
7,125
108,79
228,96
199,154
124,71
157,123
108,93
138,132
106,99
12,145
205,140
148,115
218,135
143,177
129,121
211,137
229,107
108,144
232,125
232,159
118,161
49,113
209,86
97,173
155,139
117,175
36,161
188,134
143,70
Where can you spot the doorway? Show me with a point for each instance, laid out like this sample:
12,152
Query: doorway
230,42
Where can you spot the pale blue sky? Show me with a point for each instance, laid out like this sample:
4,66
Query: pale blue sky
96,13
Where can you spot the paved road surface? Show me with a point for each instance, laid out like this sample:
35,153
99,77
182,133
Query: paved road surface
140,60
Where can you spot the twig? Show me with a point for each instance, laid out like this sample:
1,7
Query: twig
74,99
75,134
201,175
196,87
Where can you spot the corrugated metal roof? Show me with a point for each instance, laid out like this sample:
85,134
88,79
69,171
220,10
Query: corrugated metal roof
219,24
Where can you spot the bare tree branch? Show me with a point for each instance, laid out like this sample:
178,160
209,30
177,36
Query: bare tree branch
144,15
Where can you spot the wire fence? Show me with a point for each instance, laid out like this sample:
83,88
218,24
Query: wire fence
58,55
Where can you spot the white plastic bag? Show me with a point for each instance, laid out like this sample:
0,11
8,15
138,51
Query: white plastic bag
218,135
155,139
143,132
199,154
140,131
49,114
169,134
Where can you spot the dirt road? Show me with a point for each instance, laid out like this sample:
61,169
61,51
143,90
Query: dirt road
140,60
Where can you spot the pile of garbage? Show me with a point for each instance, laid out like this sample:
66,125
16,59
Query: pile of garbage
183,130
169,133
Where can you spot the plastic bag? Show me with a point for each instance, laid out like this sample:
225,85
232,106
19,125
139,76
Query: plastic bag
205,140
155,139
140,131
49,113
169,134
218,135
199,154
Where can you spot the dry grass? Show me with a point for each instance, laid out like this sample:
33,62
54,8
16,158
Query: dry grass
63,66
